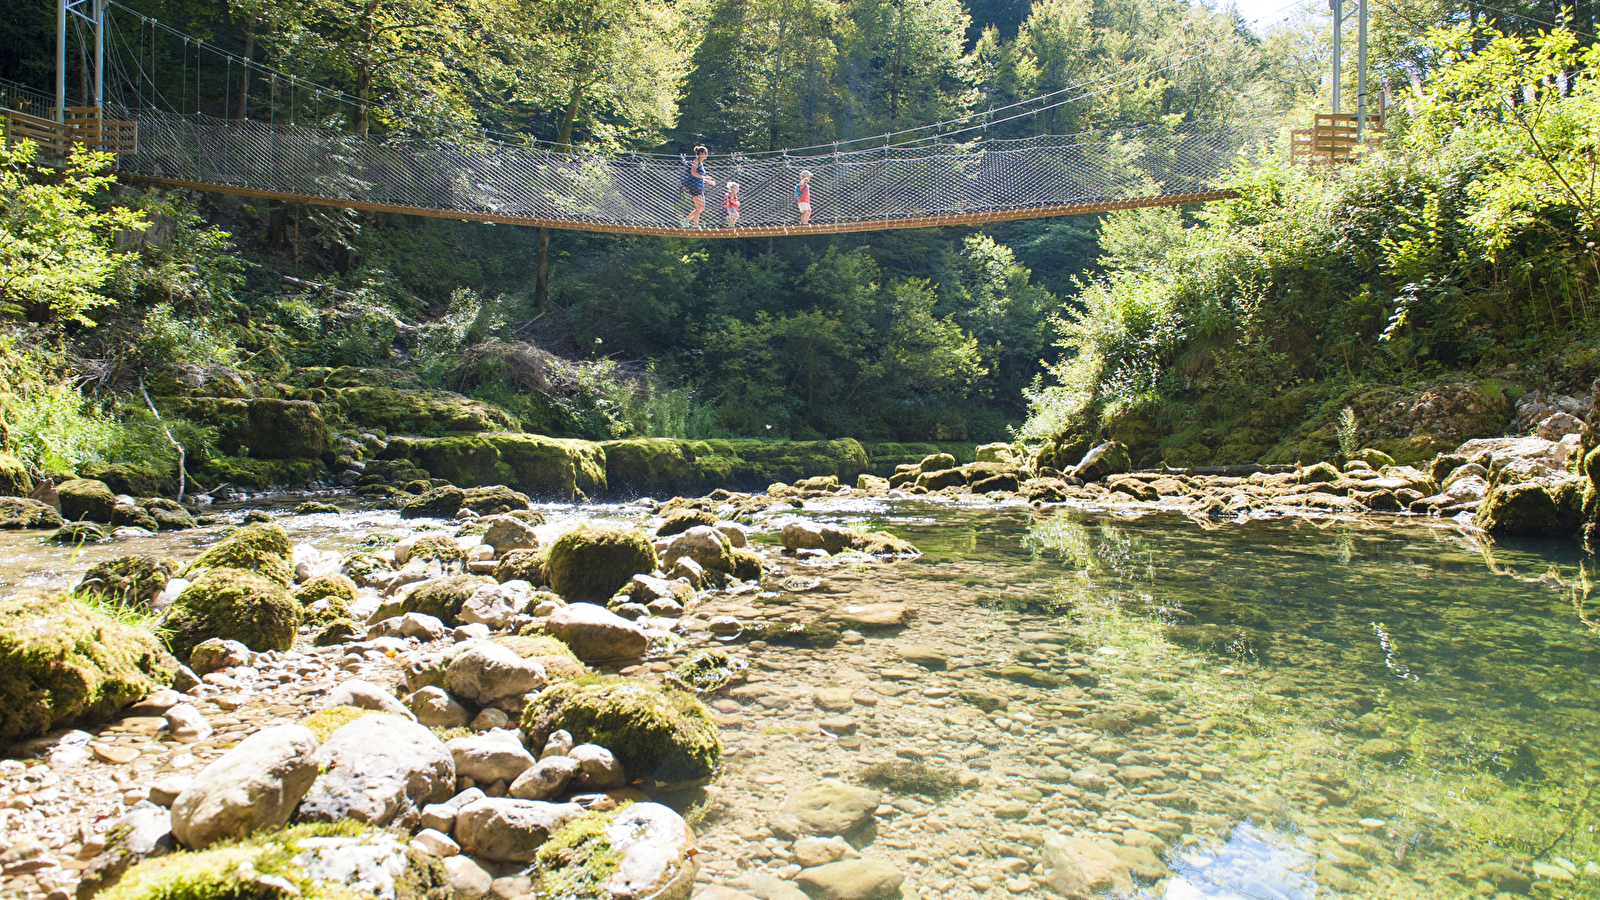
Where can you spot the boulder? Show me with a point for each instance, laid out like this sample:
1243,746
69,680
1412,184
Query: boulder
1543,507
435,708
134,580
497,499
1103,461
655,732
1081,870
496,605
520,565
169,515
24,512
815,536
439,503
486,673
62,663
491,757
825,808
81,533
543,467
852,879
216,654
701,543
263,549
255,785
593,562
938,481
366,695
643,852
145,832
596,634
322,587
86,500
379,769
506,533
126,515
679,521
510,830
285,429
546,779
233,605
14,480
936,462
443,598
601,771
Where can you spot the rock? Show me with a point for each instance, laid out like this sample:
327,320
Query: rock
164,791
593,562
489,719
1103,461
169,516
496,605
321,587
366,695
255,785
80,533
421,626
126,515
435,843
128,579
145,832
655,732
61,661
436,709
507,533
216,654
438,503
596,634
852,879
1380,749
379,769
657,854
1081,870
467,880
927,657
815,536
443,598
646,588
14,480
520,565
679,521
768,887
546,779
1543,507
236,605
872,615
185,724
24,512
816,851
703,544
737,537
601,771
559,743
936,462
510,830
86,500
1502,877
261,549
825,808
691,572
485,673
487,759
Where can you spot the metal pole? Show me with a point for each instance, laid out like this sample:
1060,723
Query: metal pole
1338,24
61,60
100,53
1361,70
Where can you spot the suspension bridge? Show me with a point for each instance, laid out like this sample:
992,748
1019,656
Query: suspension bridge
958,176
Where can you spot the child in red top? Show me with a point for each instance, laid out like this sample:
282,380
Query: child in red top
802,196
730,203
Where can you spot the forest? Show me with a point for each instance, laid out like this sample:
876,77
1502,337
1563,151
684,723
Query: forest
1456,247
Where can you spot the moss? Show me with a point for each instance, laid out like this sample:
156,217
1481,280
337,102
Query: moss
593,562
365,565
23,512
324,586
62,662
707,671
324,612
257,474
886,456
234,605
236,871
1533,509
526,565
437,503
450,733
746,564
325,722
14,480
495,500
682,520
654,467
135,579
904,776
80,533
86,500
655,732
263,549
438,546
537,466
336,632
1319,473
534,645
315,507
578,860
420,412
443,598
882,543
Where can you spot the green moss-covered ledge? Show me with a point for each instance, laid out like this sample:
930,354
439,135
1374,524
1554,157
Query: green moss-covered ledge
666,467
541,467
62,662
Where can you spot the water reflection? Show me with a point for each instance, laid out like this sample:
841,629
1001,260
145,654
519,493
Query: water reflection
1250,865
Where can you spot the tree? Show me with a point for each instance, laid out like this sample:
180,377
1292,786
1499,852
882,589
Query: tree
909,53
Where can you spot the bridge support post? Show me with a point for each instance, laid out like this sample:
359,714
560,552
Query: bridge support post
94,13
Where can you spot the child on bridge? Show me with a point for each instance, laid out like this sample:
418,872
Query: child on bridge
802,196
730,203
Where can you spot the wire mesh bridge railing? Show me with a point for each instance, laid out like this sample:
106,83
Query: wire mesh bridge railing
897,186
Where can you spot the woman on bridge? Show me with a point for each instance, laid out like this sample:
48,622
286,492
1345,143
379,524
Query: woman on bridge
695,181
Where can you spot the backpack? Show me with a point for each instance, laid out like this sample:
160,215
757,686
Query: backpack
689,175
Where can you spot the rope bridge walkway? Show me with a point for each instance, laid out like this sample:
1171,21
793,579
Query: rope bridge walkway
908,185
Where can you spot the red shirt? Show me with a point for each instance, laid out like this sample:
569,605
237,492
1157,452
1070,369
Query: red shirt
730,200
803,192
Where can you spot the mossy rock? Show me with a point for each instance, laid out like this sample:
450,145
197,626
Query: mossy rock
438,503
655,732
1321,472
708,671
936,462
526,565
578,860
592,562
258,474
135,580
442,598
437,546
495,500
14,480
790,461
530,646
544,467
234,605
262,548
133,517
24,512
64,663
338,631
1539,508
261,428
316,507
885,457
652,467
746,564
323,586
679,521
418,411
286,863
86,500
81,533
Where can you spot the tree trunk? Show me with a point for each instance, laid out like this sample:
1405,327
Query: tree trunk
363,95
241,96
541,286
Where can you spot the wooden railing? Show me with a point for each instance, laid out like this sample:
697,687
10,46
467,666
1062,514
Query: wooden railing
83,125
1333,138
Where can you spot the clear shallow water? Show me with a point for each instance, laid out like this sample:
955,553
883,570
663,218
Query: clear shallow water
1275,709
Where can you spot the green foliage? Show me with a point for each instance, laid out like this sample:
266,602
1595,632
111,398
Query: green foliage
55,245
578,860
1349,441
